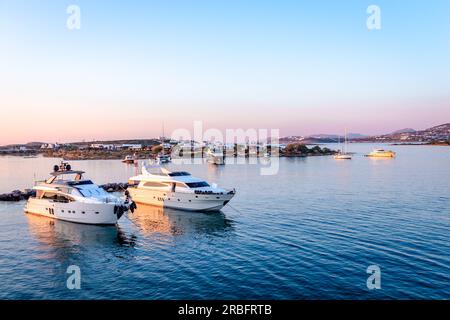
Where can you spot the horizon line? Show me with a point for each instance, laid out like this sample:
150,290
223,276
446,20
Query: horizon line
159,138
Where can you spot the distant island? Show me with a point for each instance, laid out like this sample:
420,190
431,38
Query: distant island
438,135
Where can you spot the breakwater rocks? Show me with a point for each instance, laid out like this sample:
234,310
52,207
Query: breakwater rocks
17,195
114,187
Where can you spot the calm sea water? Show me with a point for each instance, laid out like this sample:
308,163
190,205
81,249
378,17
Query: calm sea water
309,232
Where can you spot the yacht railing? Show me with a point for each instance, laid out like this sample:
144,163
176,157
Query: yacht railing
232,191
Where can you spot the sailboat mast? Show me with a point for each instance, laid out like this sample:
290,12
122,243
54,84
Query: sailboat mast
345,141
339,142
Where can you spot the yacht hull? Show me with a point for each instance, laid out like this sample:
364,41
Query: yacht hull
87,213
216,162
387,155
180,201
342,157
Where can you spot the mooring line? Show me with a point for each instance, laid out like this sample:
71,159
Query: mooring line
235,209
126,215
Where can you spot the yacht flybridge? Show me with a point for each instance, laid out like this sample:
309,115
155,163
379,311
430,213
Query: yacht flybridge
177,190
67,196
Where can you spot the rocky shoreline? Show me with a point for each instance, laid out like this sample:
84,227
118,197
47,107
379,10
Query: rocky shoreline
69,154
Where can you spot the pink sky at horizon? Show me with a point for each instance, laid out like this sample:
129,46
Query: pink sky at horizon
119,121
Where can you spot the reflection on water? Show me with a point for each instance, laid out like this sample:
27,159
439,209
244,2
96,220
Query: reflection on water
63,234
281,237
152,219
148,219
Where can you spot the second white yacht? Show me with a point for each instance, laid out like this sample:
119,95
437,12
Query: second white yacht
177,190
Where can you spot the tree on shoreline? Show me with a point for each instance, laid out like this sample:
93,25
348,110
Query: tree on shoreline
300,149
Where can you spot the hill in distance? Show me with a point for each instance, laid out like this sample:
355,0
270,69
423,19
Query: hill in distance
436,133
406,130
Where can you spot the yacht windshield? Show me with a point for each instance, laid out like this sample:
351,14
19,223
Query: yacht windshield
179,174
93,191
80,183
194,185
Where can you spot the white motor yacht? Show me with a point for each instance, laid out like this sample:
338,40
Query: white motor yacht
67,196
177,190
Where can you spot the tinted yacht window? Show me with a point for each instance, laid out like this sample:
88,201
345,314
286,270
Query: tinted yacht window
179,174
193,185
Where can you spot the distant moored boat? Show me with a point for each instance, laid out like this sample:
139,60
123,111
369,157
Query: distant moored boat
215,158
129,159
163,158
381,153
343,155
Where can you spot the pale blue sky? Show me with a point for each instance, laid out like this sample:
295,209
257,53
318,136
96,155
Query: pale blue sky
300,66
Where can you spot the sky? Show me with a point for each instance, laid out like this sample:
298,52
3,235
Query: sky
303,67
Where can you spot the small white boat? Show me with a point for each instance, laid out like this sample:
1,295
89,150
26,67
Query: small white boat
343,154
67,196
129,159
381,153
178,190
216,158
163,158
